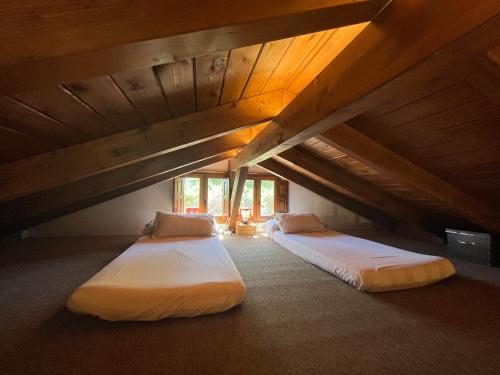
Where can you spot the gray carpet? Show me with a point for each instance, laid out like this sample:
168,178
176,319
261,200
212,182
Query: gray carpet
296,319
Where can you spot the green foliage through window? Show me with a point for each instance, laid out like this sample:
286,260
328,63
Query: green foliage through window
215,198
191,192
266,197
247,197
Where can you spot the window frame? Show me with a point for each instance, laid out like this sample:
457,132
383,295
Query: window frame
279,194
203,193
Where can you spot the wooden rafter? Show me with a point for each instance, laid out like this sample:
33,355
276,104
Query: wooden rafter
399,210
348,181
48,170
36,208
357,207
360,77
72,43
373,154
236,194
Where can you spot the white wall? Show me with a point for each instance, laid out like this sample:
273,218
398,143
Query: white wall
127,214
337,217
121,216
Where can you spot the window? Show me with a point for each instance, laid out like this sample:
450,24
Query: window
201,192
192,195
247,199
209,192
267,198
215,196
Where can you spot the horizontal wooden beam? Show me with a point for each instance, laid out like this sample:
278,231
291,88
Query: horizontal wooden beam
36,208
48,170
76,42
403,35
236,194
373,154
348,203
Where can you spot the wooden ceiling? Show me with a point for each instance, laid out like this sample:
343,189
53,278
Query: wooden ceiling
101,99
75,112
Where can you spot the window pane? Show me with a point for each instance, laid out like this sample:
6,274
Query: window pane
215,204
247,197
191,194
266,197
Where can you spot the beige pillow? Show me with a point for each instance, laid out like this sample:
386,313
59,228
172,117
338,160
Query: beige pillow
300,222
178,225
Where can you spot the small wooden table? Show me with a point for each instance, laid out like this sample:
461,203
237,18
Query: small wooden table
246,229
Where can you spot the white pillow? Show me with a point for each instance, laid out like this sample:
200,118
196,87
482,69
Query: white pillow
271,226
178,225
300,222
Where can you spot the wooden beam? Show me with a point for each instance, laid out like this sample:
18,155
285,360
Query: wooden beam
48,170
54,214
360,77
236,193
33,209
76,42
348,203
350,182
373,195
373,154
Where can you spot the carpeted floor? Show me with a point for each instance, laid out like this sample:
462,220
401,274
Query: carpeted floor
296,319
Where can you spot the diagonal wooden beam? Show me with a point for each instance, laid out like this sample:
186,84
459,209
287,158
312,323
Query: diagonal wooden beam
89,202
357,207
365,73
76,42
376,197
33,209
373,154
348,181
236,194
48,170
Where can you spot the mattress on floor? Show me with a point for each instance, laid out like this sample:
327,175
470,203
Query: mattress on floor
366,265
155,279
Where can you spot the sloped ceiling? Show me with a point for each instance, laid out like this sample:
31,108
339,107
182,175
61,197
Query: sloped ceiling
445,122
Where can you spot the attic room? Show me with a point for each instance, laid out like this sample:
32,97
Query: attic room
250,187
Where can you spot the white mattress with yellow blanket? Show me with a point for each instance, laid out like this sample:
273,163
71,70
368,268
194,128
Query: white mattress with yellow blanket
366,265
155,279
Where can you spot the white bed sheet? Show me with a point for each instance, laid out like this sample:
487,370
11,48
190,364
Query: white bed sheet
155,279
366,265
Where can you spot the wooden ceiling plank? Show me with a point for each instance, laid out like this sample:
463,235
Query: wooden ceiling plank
62,105
268,60
177,81
348,203
210,71
16,145
299,50
62,205
105,97
311,56
333,45
142,88
403,35
373,154
49,170
27,211
30,121
239,67
77,42
456,95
